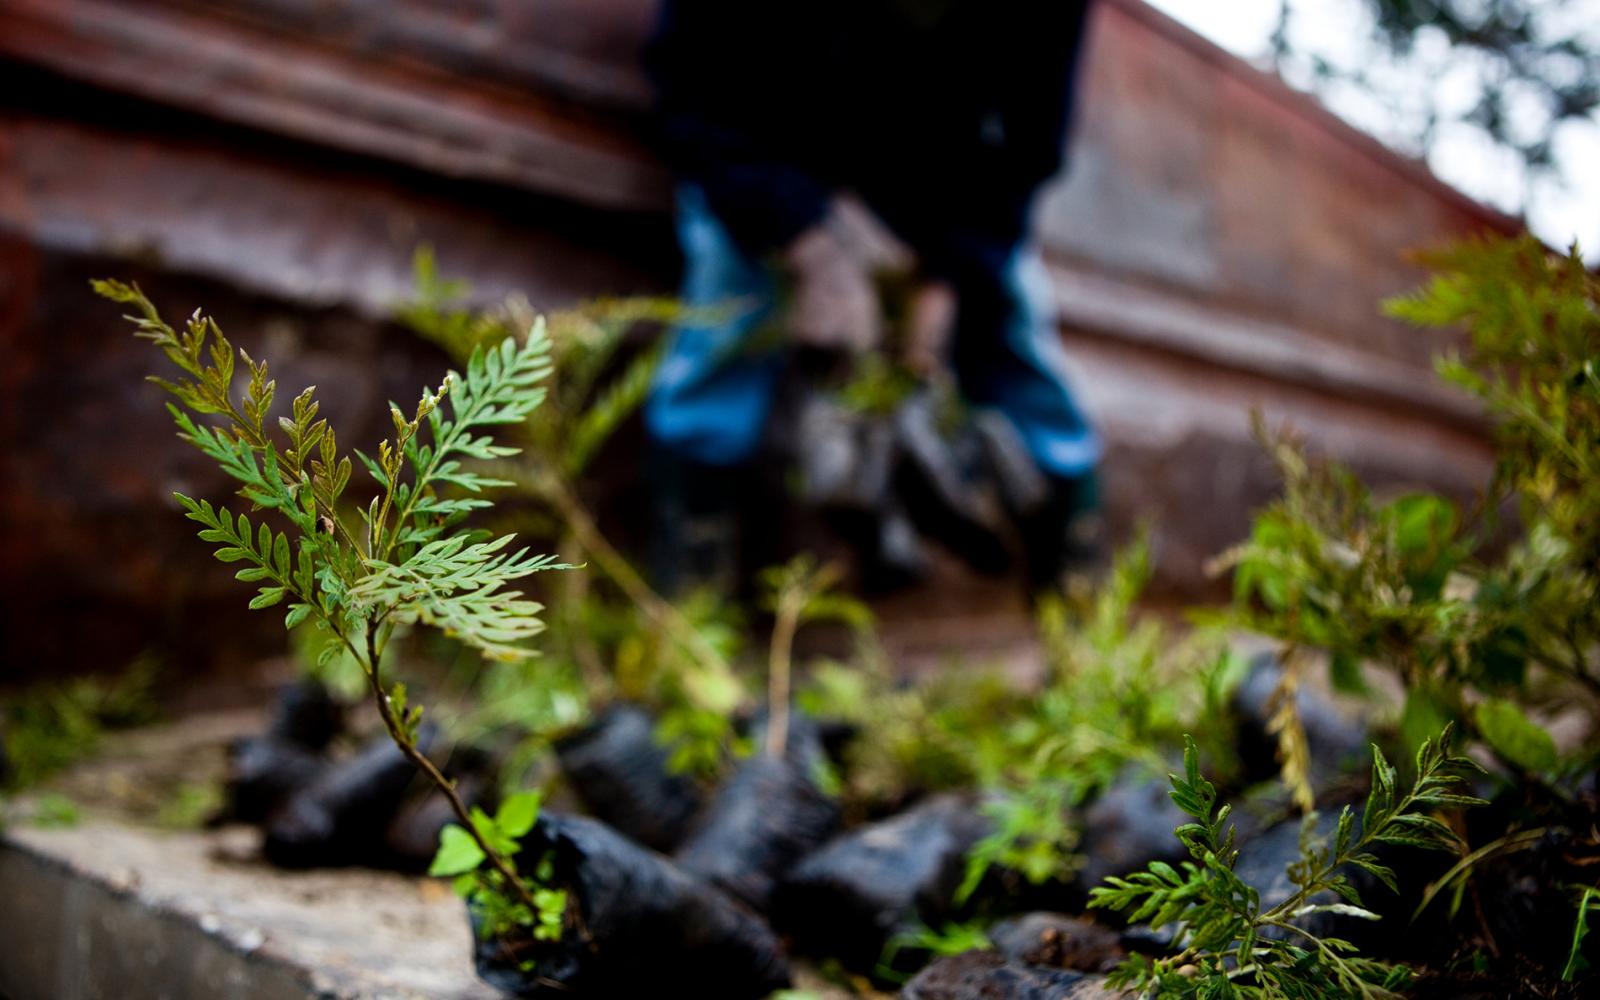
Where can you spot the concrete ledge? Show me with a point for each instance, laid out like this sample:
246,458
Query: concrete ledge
108,911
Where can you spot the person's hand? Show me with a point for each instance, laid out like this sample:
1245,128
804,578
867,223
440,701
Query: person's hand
929,327
834,303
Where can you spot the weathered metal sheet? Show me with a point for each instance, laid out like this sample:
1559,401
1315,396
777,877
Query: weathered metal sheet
1221,243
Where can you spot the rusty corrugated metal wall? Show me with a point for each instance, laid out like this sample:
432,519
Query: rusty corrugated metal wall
1220,243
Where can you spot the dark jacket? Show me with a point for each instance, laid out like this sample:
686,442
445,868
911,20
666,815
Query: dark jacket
945,115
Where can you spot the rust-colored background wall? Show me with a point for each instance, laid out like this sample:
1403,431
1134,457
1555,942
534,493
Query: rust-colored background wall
1220,244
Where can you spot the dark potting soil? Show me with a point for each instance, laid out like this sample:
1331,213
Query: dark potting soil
1521,905
846,899
989,975
1524,981
634,918
619,772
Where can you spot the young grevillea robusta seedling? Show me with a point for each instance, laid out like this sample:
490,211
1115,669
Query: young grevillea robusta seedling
1225,944
409,561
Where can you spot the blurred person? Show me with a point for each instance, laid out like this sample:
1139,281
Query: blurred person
944,117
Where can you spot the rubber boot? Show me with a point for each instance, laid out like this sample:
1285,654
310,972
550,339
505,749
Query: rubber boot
939,485
694,509
1065,535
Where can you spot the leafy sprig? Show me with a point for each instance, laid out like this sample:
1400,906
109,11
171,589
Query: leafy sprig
1412,584
461,857
1225,944
1119,688
458,586
414,562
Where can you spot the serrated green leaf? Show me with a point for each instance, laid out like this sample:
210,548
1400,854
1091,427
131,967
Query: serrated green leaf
1382,873
267,598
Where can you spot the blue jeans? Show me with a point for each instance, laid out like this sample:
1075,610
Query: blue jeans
714,388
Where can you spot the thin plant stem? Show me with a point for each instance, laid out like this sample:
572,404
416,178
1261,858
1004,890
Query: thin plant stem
443,784
595,679
779,668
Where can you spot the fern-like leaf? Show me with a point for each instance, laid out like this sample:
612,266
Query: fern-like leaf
460,586
500,386
266,551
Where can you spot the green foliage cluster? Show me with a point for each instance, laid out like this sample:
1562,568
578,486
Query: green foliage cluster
921,732
1227,945
502,914
681,658
935,942
1120,691
696,697
1588,902
190,805
588,402
1476,630
1327,567
1533,358
798,593
408,559
53,725
410,562
1482,633
52,810
1484,628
